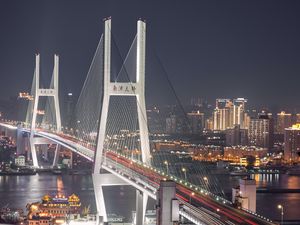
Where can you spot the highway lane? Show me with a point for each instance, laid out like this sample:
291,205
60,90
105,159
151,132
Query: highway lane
226,212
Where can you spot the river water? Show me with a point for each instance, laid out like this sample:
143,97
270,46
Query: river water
17,191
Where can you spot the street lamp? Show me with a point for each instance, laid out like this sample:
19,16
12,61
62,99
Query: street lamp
281,207
184,170
192,194
167,165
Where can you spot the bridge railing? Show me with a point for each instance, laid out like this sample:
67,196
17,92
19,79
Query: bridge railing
191,186
198,215
194,188
131,173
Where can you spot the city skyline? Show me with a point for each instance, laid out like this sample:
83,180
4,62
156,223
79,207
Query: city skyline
241,49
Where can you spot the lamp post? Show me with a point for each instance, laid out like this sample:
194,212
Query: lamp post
281,207
192,194
167,165
184,171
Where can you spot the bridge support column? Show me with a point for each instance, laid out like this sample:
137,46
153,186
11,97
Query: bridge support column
136,89
56,156
99,197
33,151
168,210
39,92
38,141
101,180
71,161
44,149
20,142
141,206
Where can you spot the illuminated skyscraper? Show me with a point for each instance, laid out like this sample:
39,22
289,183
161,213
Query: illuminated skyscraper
284,120
246,122
292,143
229,113
261,132
238,112
221,114
209,124
69,109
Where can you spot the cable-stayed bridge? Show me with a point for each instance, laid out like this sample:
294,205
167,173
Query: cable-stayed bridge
110,128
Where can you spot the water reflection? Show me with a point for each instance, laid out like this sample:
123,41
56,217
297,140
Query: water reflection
18,191
60,186
265,179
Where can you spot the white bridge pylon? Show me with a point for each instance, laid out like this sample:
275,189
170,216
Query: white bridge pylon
39,92
136,89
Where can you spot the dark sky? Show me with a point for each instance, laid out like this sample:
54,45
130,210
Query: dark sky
209,48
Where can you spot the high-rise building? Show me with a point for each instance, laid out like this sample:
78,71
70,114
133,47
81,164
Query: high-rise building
236,136
209,124
221,115
246,122
221,119
222,103
238,112
155,120
69,109
284,120
229,113
261,131
171,124
196,120
292,143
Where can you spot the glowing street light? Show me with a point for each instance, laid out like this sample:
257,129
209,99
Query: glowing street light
167,165
281,207
183,169
192,194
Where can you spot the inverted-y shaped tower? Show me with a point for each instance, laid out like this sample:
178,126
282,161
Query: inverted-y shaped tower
136,89
39,92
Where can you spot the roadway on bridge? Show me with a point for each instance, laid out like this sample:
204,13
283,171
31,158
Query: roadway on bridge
212,207
226,213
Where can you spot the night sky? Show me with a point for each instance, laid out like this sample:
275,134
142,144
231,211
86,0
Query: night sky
209,48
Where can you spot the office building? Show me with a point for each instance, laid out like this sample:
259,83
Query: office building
196,120
261,131
236,136
229,113
238,111
292,143
221,115
171,124
284,120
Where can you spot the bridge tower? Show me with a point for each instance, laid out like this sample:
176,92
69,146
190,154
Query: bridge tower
39,92
136,89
